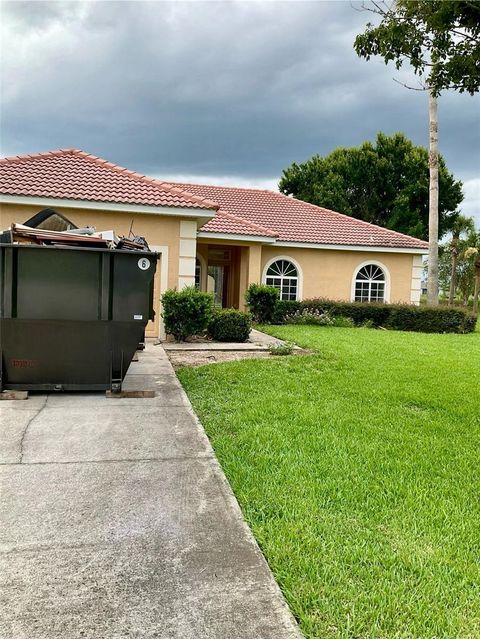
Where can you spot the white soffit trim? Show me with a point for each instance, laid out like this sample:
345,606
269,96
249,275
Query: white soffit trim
356,247
237,237
204,214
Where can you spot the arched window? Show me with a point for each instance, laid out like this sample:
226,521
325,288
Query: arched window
370,283
283,275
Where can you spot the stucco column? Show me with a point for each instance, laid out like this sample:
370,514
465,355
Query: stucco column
243,280
416,286
186,254
254,264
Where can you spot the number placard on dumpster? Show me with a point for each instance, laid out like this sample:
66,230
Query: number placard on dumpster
144,264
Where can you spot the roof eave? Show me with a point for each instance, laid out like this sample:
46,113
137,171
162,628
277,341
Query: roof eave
354,247
201,214
238,237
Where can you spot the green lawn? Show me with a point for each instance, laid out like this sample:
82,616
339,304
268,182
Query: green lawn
358,470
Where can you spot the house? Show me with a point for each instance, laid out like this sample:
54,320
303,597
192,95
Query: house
219,238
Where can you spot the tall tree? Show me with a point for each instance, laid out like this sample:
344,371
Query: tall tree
385,183
432,281
441,41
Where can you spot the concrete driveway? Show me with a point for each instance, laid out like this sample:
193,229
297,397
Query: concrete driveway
116,521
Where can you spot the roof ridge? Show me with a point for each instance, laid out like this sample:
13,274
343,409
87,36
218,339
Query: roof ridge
224,186
257,227
165,186
21,157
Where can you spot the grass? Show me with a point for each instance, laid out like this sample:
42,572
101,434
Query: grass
358,470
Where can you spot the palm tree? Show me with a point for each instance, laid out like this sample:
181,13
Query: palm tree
468,271
432,281
461,225
477,285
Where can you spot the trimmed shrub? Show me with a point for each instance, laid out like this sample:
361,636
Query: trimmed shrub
186,312
230,325
360,312
428,319
400,317
261,300
284,308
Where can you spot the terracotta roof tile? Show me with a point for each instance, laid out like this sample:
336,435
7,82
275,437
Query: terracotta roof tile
224,222
293,220
74,174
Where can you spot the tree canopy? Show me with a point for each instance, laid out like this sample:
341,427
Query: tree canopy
385,183
441,40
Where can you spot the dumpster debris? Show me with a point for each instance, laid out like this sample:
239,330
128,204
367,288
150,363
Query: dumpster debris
50,228
24,235
50,220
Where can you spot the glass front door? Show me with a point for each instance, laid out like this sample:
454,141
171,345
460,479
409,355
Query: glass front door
217,284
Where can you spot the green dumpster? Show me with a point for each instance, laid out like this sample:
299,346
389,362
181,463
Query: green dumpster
71,317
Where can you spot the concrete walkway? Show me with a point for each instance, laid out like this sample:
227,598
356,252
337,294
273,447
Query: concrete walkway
117,522
257,341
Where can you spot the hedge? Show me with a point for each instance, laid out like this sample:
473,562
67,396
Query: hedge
186,312
401,317
284,308
230,325
262,301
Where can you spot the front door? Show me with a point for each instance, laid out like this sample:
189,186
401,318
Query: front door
217,282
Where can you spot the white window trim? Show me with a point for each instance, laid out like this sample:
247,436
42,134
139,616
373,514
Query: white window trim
288,258
163,285
387,278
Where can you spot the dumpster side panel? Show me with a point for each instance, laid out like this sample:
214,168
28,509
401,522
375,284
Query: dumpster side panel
59,284
59,355
131,279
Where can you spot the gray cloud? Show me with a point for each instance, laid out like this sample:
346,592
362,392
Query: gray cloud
216,89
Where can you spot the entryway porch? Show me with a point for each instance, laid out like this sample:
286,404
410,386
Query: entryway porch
226,269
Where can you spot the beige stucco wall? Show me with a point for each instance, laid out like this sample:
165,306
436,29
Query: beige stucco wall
161,232
329,273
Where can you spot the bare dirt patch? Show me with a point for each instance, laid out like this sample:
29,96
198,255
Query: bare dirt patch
199,358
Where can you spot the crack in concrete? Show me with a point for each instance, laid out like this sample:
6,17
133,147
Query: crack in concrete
199,457
24,434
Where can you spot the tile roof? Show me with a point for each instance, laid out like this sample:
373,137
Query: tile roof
224,222
293,220
74,174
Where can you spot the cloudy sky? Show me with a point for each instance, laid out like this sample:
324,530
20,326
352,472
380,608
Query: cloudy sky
220,92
